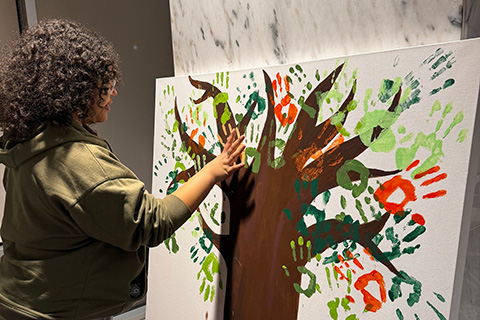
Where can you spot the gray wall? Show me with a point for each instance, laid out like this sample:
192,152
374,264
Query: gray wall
9,30
140,31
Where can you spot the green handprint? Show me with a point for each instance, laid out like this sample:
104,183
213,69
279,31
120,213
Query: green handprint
210,267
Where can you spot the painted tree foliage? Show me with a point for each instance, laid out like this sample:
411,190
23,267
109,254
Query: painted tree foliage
270,243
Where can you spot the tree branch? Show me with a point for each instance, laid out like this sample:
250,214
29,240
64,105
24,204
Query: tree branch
224,116
307,120
246,118
330,232
214,237
265,147
192,147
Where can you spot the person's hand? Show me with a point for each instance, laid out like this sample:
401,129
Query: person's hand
225,164
197,187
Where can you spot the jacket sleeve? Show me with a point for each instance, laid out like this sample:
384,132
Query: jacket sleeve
121,212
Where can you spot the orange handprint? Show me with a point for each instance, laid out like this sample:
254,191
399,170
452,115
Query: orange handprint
288,118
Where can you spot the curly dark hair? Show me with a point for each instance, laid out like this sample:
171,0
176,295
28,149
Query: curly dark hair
50,75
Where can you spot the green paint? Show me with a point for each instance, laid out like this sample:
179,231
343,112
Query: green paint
448,108
207,293
439,315
307,210
367,200
309,110
414,234
220,98
396,292
278,162
416,317
435,91
343,202
393,238
352,317
368,96
336,120
174,248
399,315
352,105
448,83
173,176
462,135
326,196
210,267
410,250
349,276
294,253
252,152
261,105
456,120
203,243
344,180
226,115
327,272
402,130
439,296
310,290
333,306
405,156
404,98
299,68
340,217
440,61
300,243
212,213
438,52
389,88
309,250
194,253
286,271
345,303
288,213
439,125
238,117
385,142
358,205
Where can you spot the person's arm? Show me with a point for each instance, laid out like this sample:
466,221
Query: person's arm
196,188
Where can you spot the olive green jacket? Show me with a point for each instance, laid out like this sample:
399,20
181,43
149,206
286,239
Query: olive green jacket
75,227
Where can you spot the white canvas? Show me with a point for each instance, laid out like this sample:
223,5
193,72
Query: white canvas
351,203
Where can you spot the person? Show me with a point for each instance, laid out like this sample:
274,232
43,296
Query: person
77,221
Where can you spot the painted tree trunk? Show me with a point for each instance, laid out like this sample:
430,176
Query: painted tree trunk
266,205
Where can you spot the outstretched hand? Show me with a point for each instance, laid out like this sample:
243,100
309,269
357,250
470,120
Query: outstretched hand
226,164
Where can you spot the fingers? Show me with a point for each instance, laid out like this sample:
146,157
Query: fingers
238,151
233,168
231,148
230,138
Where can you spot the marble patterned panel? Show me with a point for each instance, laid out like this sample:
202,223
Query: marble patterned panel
237,34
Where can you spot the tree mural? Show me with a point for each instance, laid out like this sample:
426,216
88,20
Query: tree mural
270,244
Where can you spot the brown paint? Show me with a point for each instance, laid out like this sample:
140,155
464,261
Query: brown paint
260,233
